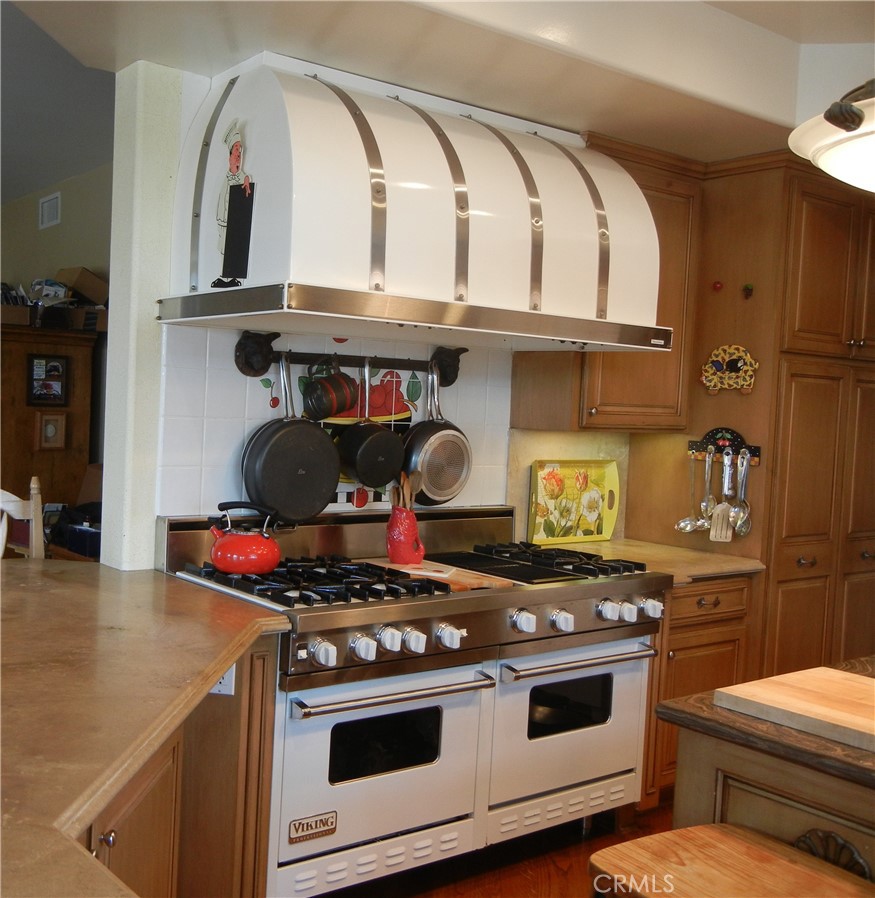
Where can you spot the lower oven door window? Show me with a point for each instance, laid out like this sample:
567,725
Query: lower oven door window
559,725
370,759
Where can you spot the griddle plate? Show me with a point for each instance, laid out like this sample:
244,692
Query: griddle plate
501,567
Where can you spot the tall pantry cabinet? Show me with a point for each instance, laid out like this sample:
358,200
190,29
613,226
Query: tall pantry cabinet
807,254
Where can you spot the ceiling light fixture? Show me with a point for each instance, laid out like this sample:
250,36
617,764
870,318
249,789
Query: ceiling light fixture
842,140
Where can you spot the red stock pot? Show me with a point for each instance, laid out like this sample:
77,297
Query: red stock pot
243,550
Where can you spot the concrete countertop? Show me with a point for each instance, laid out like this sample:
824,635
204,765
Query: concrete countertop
99,667
685,565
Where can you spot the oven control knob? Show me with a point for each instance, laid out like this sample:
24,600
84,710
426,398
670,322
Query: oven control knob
628,612
562,620
324,653
364,647
449,637
390,639
414,641
523,621
651,608
608,610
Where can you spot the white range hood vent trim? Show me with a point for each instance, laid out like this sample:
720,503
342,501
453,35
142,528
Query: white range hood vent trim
296,301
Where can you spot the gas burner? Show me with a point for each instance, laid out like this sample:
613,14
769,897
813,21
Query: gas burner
324,580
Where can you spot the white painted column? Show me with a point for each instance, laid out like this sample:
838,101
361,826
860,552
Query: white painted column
147,125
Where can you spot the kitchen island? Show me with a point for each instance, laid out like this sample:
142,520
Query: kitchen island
99,668
737,768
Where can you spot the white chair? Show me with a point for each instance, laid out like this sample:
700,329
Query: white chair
12,510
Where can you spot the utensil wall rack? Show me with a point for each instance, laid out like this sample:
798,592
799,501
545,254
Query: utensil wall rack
254,354
722,438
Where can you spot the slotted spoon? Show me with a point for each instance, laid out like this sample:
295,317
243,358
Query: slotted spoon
721,528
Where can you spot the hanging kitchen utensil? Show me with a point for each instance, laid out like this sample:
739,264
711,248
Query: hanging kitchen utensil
709,502
438,450
691,521
325,397
291,465
369,452
721,528
739,515
242,550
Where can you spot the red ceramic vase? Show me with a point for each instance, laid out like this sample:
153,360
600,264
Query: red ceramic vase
403,544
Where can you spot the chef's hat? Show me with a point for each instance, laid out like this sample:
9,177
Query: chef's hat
232,136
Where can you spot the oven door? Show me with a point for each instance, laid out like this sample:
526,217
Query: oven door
568,717
367,759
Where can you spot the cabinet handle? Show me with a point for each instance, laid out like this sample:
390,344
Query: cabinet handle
801,561
866,554
851,343
593,411
108,838
671,656
701,602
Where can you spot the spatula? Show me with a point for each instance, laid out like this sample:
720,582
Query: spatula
721,528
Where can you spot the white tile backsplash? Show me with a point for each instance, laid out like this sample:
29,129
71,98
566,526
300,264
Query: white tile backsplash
209,410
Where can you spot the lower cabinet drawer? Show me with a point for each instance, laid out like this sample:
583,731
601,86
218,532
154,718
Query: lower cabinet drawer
713,600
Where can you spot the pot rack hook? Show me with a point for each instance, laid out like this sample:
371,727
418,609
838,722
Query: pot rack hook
254,353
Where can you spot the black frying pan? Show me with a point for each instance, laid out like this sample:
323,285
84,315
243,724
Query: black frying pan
369,452
291,465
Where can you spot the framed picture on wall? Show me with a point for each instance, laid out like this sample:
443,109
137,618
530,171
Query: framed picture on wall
47,379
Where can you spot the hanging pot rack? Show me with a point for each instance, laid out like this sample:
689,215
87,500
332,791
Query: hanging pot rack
254,354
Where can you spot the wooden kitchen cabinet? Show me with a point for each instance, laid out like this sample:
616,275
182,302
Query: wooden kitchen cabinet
824,517
829,301
703,645
623,390
854,618
226,787
60,466
137,834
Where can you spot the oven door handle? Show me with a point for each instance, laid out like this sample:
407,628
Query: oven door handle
511,674
301,710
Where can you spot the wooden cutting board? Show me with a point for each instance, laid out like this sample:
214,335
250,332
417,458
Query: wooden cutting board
831,703
459,580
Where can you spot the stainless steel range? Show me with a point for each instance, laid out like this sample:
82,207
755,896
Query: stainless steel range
421,714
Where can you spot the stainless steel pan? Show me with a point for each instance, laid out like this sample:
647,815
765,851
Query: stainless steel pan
437,450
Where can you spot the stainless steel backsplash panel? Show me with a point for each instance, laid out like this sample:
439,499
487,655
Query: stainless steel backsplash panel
180,540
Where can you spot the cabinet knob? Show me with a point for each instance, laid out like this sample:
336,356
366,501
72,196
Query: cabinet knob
593,411
851,343
671,656
802,561
866,554
108,838
702,602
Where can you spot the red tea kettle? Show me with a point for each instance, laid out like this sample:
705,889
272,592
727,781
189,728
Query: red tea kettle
241,550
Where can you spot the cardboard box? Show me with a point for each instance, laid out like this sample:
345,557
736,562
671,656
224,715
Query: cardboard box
85,283
88,320
15,315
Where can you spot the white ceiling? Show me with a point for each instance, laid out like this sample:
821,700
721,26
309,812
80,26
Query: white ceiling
704,80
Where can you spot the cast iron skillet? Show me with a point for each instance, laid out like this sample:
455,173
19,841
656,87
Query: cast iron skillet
369,452
291,465
438,450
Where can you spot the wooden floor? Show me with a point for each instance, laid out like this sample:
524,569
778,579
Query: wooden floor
548,864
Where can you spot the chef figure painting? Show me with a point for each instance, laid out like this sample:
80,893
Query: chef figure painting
234,212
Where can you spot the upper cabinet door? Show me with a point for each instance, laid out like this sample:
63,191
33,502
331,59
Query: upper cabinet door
822,281
635,391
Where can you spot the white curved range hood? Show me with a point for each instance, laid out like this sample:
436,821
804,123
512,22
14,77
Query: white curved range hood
372,205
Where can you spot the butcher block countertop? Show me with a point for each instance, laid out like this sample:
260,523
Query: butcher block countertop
685,565
700,713
99,667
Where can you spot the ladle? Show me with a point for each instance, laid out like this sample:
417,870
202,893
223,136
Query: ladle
739,514
709,502
691,522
